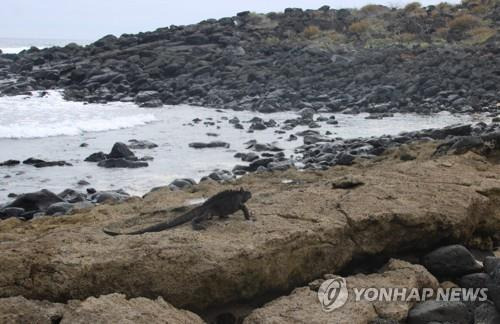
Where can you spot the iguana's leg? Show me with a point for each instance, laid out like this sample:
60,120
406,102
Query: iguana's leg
198,219
245,211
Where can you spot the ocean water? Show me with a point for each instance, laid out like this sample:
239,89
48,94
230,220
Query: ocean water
16,45
50,128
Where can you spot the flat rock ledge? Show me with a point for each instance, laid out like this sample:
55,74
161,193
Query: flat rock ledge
114,308
304,229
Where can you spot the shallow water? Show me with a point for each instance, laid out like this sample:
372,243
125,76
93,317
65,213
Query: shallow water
50,128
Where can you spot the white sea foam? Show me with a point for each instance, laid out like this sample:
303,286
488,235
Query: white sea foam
14,50
34,117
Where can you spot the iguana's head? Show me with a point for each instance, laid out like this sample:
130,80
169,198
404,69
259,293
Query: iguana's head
245,195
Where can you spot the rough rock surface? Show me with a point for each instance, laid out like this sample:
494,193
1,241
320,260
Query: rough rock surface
114,308
304,229
302,305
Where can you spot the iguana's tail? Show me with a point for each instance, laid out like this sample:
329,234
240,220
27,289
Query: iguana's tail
162,226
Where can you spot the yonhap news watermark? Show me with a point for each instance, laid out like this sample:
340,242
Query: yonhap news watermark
334,293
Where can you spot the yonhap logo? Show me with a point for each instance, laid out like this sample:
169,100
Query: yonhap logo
333,294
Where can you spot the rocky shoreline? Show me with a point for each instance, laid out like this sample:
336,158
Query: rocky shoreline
284,61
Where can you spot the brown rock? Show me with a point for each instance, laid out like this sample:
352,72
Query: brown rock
113,308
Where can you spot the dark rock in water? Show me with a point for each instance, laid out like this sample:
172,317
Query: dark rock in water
213,134
32,161
486,313
249,157
179,184
91,191
122,163
141,145
10,212
452,260
60,208
292,138
83,183
238,126
439,312
45,164
346,182
258,147
258,126
120,151
96,157
345,159
12,195
10,163
84,145
146,158
35,201
109,196
199,145
72,196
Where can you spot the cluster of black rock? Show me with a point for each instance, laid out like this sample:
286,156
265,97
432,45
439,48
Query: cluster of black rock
263,63
121,156
37,163
456,265
46,203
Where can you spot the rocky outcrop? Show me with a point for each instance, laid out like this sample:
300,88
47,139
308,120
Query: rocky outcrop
304,229
302,305
113,308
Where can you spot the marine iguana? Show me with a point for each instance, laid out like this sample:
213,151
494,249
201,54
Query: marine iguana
222,204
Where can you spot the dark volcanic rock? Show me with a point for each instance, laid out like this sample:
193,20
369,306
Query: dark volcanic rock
96,157
11,212
10,163
122,163
120,150
60,208
452,260
43,164
214,144
34,201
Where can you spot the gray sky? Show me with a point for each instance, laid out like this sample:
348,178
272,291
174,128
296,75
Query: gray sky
91,19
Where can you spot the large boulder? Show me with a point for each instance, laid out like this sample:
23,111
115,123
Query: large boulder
33,201
452,260
120,150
